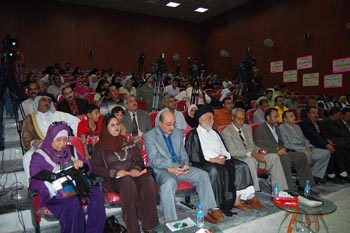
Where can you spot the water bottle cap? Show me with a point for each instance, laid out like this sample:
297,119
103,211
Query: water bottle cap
200,206
276,184
307,181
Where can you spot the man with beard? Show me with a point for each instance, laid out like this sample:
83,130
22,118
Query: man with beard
27,105
70,104
208,152
238,138
35,125
267,135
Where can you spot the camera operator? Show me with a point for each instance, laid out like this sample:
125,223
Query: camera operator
255,83
10,73
146,93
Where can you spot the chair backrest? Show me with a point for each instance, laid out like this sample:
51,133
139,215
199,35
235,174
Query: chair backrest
221,128
78,145
254,126
181,105
152,116
90,97
250,115
60,98
142,106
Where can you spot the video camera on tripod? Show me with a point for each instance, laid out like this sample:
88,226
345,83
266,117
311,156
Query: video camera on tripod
8,52
158,68
196,69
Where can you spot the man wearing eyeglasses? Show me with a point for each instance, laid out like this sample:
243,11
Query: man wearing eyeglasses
169,159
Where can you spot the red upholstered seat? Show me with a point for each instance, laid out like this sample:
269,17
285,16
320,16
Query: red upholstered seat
250,115
142,106
181,105
152,116
90,97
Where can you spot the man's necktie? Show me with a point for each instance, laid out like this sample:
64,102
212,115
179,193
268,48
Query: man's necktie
135,130
240,135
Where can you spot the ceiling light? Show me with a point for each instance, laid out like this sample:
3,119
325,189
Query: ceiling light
173,4
201,9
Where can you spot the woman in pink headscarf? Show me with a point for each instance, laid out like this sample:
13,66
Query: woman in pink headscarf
80,88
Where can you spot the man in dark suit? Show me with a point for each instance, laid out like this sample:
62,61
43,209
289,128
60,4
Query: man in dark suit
332,128
267,135
70,104
311,131
136,121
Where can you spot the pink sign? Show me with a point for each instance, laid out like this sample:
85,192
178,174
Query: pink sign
304,62
290,76
341,65
333,81
276,66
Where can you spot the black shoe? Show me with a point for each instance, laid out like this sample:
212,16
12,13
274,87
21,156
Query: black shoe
319,180
345,179
336,180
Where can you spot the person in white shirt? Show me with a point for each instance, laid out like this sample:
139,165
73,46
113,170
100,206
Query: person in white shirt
173,88
27,105
170,104
208,152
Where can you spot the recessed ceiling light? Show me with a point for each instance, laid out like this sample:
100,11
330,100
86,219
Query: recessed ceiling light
173,4
201,9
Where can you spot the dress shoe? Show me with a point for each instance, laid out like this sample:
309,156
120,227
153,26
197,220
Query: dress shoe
243,207
319,180
209,218
217,214
346,178
336,180
255,204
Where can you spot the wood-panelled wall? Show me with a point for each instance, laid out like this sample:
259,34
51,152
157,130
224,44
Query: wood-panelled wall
52,31
285,22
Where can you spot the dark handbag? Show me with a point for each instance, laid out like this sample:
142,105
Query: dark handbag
113,226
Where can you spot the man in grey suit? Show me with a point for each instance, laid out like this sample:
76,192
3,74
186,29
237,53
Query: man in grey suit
169,159
238,138
295,140
136,121
267,135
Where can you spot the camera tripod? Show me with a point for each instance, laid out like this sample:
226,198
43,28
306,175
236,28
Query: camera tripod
9,78
197,89
156,91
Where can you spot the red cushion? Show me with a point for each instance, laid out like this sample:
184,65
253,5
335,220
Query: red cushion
184,186
112,198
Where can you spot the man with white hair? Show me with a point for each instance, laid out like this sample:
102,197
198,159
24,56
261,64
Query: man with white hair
208,152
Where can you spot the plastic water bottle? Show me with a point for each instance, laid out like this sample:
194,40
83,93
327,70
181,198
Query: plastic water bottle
307,189
200,216
276,190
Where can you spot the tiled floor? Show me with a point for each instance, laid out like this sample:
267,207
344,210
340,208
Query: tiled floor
11,178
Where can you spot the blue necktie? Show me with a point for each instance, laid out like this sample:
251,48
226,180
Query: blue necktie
169,144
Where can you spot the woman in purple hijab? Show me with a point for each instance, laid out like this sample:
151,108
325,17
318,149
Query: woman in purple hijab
51,156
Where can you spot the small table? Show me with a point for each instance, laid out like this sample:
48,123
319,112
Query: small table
302,215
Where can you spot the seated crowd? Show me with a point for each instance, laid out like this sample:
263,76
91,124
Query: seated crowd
208,143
